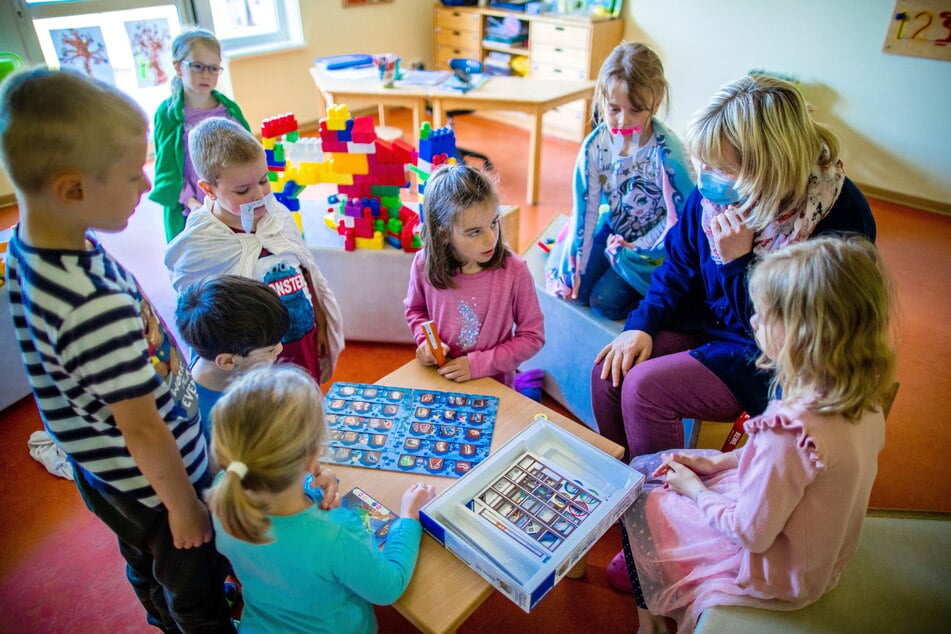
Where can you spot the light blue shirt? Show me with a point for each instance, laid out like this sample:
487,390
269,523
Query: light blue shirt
323,572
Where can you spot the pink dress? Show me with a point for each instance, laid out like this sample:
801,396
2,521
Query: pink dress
775,532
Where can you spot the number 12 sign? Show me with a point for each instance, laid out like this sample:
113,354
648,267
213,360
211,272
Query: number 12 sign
920,28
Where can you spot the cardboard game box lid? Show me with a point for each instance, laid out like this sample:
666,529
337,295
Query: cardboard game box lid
531,510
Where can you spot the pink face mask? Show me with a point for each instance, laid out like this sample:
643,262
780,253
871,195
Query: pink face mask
618,136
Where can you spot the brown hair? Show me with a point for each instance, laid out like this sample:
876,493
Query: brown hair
450,191
55,121
639,70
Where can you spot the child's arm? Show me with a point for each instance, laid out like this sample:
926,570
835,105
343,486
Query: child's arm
156,453
774,475
381,578
320,318
529,323
416,311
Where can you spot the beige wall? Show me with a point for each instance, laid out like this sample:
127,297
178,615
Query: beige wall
891,111
269,85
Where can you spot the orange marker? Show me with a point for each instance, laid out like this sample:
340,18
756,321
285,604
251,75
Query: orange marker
432,338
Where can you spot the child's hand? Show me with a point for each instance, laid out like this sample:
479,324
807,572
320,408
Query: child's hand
425,354
699,464
326,479
192,528
457,370
733,239
683,480
414,499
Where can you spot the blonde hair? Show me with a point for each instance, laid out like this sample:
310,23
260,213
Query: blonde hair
271,419
56,121
639,71
450,191
217,144
834,299
183,44
765,124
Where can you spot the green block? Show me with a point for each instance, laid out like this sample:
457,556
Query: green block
384,190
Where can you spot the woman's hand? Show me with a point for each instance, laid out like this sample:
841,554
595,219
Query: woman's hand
731,237
628,349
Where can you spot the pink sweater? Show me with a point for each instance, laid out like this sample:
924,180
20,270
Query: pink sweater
492,316
775,532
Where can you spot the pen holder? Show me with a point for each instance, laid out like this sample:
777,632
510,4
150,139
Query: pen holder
388,66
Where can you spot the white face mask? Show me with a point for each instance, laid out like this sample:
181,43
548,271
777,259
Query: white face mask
248,209
618,136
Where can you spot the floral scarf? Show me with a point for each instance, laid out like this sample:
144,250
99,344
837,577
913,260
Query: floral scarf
794,225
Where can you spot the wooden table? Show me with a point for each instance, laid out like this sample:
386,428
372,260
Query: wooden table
520,94
444,591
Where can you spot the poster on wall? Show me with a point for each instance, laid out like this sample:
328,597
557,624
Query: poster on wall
85,50
920,28
151,44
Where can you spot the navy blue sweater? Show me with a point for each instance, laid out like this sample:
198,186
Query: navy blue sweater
691,292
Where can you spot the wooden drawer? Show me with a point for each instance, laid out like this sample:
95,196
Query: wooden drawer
457,38
548,71
560,57
462,20
565,36
446,53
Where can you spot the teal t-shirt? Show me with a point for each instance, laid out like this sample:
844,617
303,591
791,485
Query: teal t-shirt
322,573
206,400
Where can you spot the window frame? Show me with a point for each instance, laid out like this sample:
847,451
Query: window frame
289,34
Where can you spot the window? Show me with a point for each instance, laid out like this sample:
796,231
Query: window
252,26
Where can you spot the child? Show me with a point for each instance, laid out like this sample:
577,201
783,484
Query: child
635,165
241,230
232,323
303,567
196,56
480,294
108,380
772,525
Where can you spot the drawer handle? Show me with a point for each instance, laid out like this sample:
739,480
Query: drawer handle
559,28
456,14
559,50
456,33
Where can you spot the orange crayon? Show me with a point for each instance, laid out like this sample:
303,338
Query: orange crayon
432,338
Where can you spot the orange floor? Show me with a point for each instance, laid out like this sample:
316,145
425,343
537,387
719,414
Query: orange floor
59,569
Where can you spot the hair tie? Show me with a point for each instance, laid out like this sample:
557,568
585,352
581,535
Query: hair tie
239,468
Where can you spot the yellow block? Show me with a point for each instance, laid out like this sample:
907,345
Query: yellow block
350,163
376,242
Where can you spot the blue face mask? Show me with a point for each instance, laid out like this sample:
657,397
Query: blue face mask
717,188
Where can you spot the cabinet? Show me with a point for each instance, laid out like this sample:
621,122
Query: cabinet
558,46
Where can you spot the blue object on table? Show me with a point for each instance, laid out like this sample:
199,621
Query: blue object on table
337,62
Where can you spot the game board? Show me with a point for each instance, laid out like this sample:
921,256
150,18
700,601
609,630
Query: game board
534,505
413,431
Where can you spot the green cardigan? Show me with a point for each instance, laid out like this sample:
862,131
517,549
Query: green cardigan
170,151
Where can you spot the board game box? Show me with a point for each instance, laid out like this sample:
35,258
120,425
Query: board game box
412,431
528,513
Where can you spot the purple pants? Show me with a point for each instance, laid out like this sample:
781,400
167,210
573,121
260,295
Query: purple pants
644,414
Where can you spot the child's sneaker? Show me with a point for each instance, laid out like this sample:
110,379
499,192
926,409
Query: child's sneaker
617,574
233,596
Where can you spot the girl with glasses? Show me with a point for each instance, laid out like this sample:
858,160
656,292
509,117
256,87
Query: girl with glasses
196,56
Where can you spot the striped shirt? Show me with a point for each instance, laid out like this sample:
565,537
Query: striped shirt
90,338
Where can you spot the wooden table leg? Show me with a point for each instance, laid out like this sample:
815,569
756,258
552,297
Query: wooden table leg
535,157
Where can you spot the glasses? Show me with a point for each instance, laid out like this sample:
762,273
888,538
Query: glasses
198,69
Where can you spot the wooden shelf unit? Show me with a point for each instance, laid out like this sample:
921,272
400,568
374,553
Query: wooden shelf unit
559,46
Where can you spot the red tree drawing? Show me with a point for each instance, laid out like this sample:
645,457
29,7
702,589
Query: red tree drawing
82,46
151,42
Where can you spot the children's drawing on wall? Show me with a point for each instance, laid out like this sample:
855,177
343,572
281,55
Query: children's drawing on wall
83,49
150,41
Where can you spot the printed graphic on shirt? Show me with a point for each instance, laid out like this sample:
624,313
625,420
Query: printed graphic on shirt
167,362
469,326
288,282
